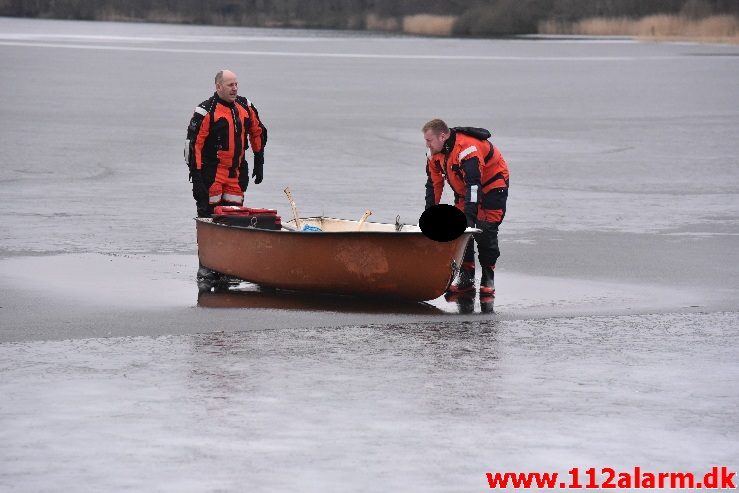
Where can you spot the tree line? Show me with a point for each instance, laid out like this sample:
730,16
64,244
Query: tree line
471,17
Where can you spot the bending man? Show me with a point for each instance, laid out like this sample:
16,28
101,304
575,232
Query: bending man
478,175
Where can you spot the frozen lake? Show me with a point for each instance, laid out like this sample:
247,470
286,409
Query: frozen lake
413,407
615,337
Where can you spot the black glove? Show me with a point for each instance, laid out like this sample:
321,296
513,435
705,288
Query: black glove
199,192
258,172
244,176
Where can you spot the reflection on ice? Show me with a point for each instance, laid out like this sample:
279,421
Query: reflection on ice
410,407
247,295
251,296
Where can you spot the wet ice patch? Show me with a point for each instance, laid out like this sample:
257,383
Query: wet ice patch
109,280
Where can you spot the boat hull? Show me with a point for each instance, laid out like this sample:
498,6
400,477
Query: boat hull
402,265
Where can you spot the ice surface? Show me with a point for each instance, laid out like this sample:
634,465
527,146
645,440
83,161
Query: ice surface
411,407
614,340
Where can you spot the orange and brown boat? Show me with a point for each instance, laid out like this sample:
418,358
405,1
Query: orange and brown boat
344,257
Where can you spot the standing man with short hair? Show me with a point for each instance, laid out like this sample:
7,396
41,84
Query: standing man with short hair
478,176
215,149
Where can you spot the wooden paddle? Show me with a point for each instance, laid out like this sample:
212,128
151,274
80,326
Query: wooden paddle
366,214
292,205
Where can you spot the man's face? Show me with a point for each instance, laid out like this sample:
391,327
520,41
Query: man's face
228,88
434,141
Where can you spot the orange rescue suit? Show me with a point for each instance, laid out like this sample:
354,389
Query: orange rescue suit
476,173
217,141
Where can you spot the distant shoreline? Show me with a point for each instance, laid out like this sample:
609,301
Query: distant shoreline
722,28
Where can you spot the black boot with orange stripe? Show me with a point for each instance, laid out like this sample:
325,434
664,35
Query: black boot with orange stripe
466,280
465,301
487,283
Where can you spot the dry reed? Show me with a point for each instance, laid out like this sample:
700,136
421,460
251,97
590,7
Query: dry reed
717,28
373,22
429,25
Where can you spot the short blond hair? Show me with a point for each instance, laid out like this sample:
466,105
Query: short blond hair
437,125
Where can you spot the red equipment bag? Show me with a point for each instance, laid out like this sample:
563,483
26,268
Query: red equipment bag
251,217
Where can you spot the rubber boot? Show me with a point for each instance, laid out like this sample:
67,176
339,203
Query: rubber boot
487,283
465,282
487,304
465,301
206,274
206,278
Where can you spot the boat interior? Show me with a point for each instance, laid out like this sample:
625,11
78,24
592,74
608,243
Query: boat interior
332,225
